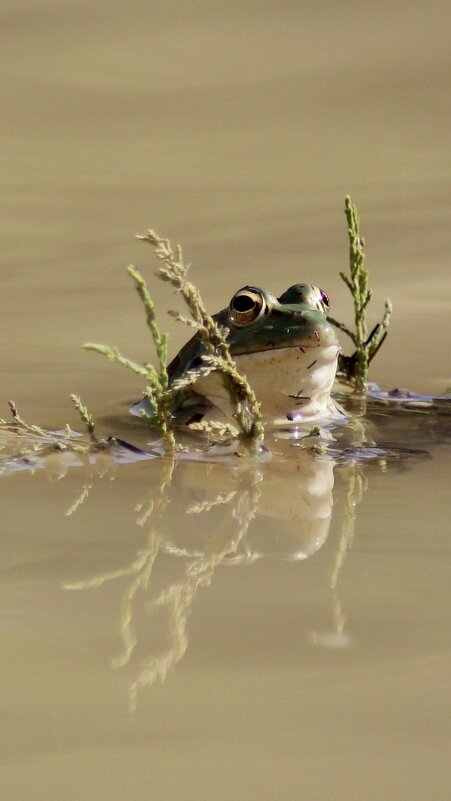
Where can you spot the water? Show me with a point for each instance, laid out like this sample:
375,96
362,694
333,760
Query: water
292,641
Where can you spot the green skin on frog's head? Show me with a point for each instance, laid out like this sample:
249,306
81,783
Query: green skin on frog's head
285,347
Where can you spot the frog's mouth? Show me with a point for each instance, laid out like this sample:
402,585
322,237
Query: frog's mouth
302,338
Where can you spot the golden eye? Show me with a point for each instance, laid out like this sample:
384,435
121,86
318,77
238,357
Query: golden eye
247,306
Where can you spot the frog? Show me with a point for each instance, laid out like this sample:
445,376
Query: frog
285,346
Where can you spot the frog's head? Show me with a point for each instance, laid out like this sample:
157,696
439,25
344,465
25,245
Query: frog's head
259,322
287,349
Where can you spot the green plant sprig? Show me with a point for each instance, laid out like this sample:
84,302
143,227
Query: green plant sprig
174,271
156,382
355,368
86,416
160,340
37,441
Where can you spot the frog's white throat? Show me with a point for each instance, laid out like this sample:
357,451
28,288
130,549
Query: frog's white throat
291,384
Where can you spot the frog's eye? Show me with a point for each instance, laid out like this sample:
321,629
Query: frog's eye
325,298
247,306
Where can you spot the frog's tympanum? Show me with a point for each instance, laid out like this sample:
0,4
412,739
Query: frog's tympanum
285,347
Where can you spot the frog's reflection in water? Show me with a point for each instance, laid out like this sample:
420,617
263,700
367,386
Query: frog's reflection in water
203,515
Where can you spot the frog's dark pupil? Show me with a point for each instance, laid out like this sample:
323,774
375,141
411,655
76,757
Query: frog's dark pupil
243,303
324,298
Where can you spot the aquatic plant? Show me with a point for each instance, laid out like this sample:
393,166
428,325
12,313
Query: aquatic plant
38,436
355,368
161,396
21,440
156,379
86,416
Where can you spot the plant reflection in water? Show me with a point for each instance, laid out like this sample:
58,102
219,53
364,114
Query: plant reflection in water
240,512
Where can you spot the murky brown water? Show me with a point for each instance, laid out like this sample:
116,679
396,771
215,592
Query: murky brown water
292,641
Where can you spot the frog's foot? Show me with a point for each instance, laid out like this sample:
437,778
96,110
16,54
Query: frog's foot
194,409
382,453
406,399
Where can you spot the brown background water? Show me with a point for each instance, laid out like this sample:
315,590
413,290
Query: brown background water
237,129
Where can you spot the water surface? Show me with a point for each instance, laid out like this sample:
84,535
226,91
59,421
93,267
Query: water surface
291,641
